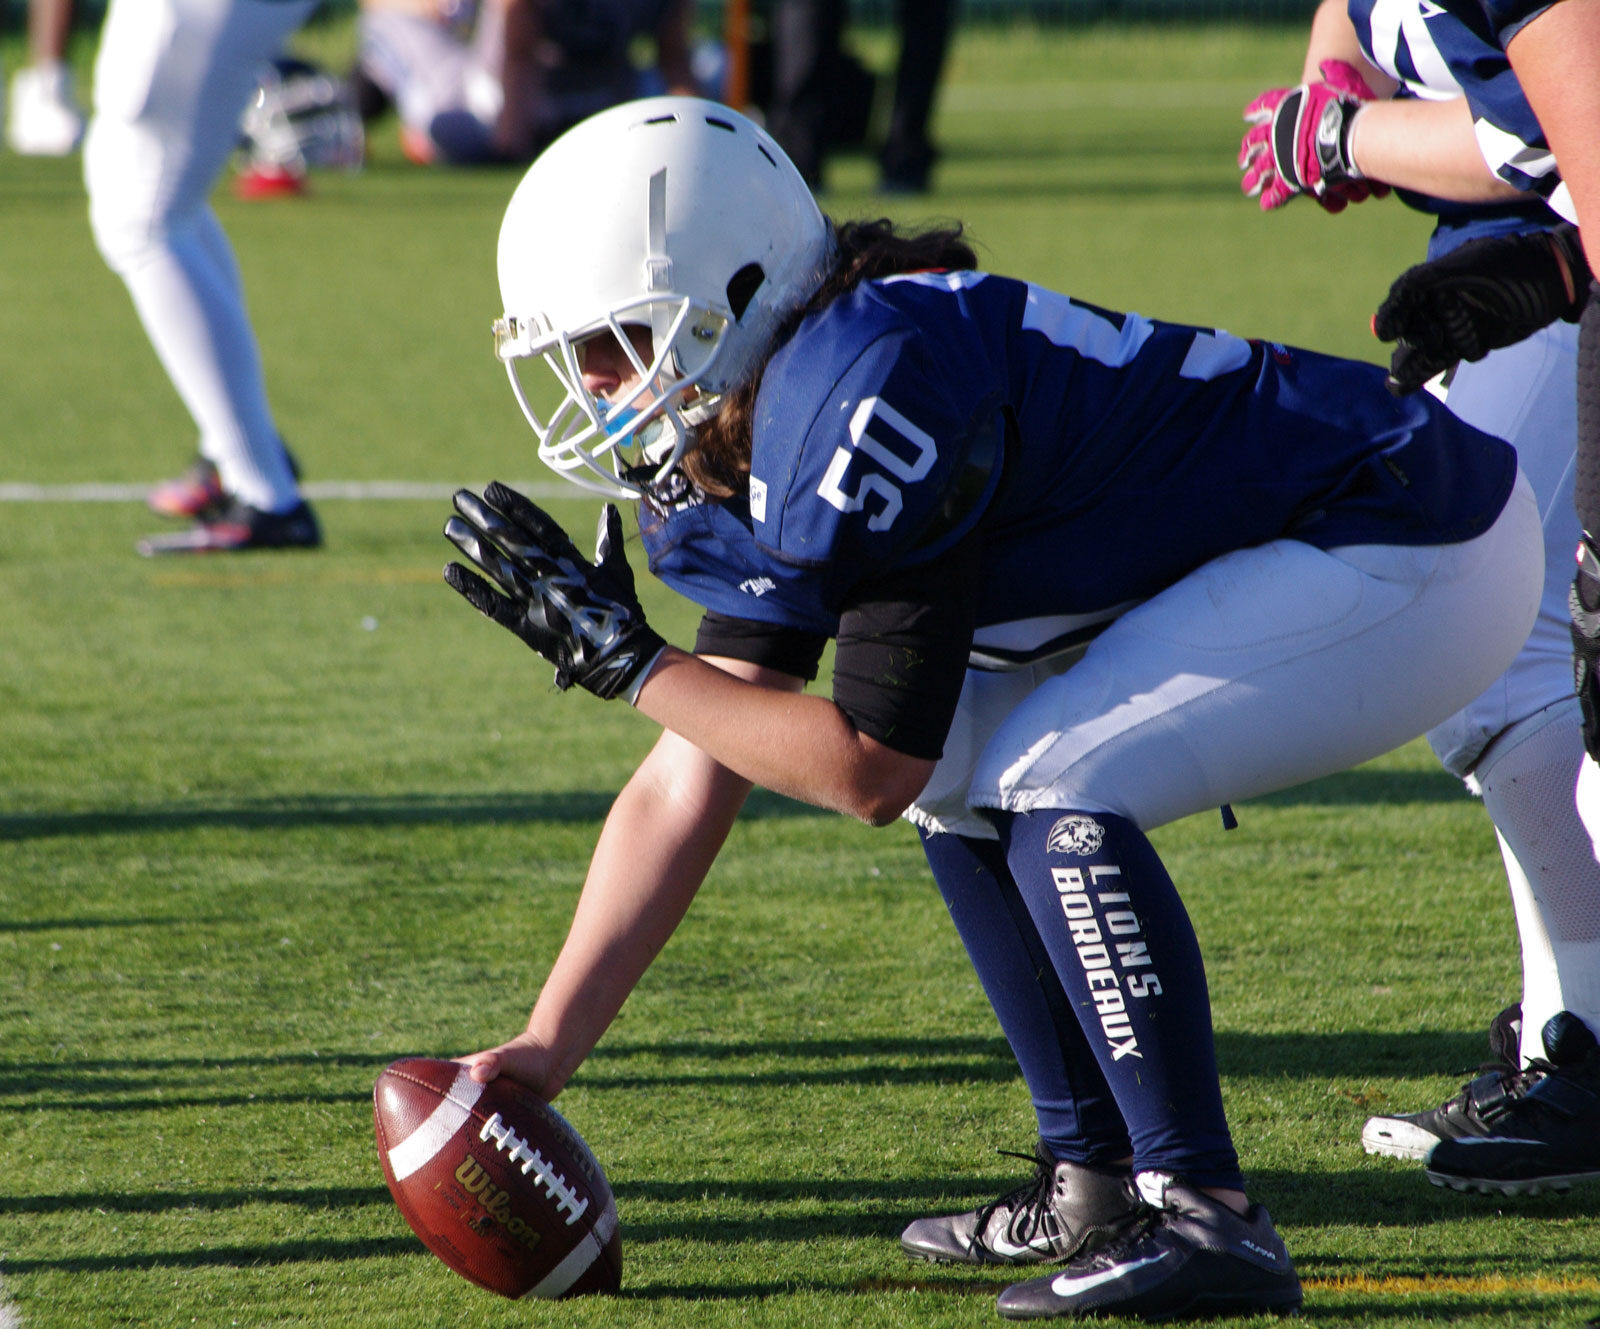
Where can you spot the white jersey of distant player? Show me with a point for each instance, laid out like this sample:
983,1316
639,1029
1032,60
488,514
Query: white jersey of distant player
1440,48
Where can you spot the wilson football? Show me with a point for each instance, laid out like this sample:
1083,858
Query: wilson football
495,1182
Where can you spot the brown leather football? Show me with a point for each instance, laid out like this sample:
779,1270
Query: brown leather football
495,1182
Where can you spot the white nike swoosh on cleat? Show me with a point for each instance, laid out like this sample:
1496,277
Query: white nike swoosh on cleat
1065,1285
1004,1246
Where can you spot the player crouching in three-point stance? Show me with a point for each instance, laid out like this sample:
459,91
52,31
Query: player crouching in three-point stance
1087,573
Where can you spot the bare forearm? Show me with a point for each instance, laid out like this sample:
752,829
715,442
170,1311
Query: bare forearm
1555,58
794,744
658,843
1427,146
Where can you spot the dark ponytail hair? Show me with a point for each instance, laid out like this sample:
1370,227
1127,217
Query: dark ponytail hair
719,462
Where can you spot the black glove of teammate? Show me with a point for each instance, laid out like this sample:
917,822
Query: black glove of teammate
1485,294
582,617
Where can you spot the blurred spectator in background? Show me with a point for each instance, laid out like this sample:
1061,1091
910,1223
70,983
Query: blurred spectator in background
170,82
908,153
818,99
477,81
45,119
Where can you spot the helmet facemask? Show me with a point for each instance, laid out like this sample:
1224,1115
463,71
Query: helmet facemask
620,447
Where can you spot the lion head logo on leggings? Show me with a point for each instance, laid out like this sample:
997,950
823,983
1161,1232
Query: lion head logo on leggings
1075,834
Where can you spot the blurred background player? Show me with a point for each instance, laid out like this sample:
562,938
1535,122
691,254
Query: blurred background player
477,81
171,79
43,116
818,100
1520,745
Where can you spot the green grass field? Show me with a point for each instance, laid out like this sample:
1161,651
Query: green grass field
268,823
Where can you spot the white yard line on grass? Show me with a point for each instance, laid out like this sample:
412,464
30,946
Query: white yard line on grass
10,1316
360,490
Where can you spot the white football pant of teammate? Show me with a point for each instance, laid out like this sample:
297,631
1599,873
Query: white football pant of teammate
171,79
1520,745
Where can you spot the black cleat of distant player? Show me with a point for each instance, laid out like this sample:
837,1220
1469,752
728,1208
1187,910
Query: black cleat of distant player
1549,1139
1473,1110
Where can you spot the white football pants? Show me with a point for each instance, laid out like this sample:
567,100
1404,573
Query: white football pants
171,79
1263,669
1519,744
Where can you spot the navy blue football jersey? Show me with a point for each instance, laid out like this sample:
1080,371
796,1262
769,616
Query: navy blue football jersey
1437,43
1434,54
1088,458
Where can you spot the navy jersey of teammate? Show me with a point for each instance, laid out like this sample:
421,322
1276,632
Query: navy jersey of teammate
847,432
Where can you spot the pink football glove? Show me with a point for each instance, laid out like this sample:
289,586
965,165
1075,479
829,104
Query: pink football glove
1299,142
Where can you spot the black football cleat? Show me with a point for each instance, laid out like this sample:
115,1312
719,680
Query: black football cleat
1549,1139
1474,1108
238,529
1067,1208
1189,1255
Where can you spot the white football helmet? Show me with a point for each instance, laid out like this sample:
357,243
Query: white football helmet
672,214
301,116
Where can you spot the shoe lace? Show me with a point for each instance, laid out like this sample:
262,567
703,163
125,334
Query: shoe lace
1029,1202
1584,1074
1514,1082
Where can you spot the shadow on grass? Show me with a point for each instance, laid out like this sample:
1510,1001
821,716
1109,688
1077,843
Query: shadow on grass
1377,1196
1392,788
1391,1193
164,1202
98,1086
92,924
324,810
127,1085
235,1257
874,1209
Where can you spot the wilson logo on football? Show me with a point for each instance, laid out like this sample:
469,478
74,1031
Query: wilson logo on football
496,1203
1076,834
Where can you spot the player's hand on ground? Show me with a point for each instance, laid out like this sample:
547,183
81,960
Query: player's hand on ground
583,617
1298,142
522,1059
1482,295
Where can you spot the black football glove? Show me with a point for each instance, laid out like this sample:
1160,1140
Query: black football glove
1483,295
582,617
